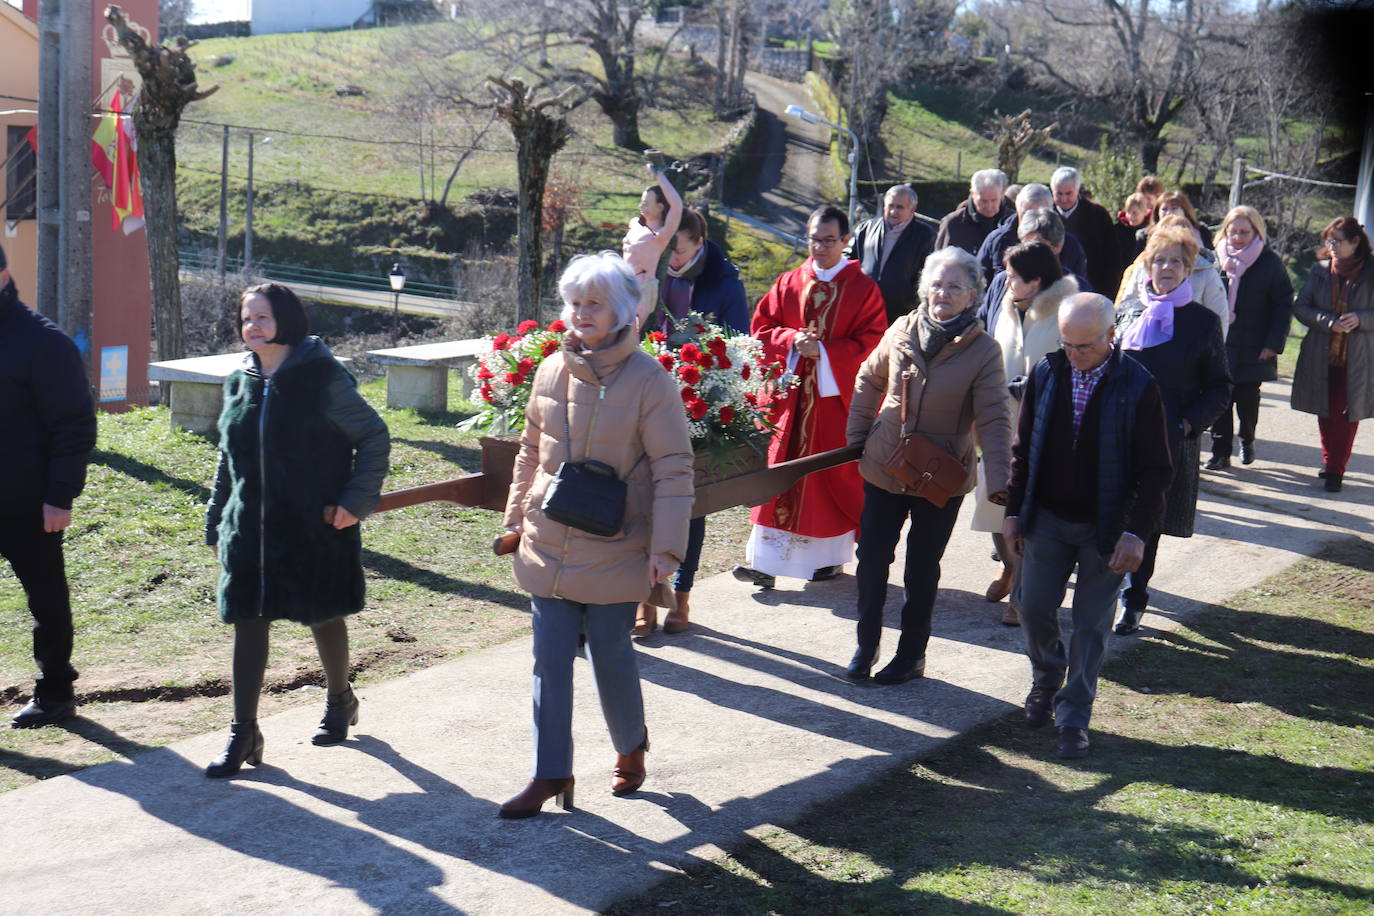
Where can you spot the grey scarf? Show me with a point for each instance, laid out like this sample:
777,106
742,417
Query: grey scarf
933,334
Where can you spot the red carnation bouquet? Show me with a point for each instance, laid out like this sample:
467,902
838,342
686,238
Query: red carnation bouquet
727,387
505,375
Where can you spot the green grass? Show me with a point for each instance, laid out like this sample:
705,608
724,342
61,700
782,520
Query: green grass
286,83
1231,771
153,656
931,124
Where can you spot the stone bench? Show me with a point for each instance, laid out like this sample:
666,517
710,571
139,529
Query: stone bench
417,376
194,387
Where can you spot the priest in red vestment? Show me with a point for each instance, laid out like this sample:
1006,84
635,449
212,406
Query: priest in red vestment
821,319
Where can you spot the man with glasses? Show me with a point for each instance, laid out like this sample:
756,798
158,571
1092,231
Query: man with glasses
1089,469
821,319
892,249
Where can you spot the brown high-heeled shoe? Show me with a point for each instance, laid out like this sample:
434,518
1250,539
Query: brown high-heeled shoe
646,620
529,802
629,771
1000,587
676,621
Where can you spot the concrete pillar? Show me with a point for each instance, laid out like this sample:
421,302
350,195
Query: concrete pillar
421,387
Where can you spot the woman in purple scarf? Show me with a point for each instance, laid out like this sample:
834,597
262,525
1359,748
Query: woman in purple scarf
1180,342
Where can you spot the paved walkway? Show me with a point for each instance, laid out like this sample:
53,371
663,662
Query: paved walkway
751,719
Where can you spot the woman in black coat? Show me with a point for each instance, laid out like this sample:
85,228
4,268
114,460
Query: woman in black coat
1260,297
700,279
1179,341
302,459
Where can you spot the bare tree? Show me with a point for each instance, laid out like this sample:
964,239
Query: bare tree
1139,58
540,129
591,44
1016,139
882,42
172,16
169,85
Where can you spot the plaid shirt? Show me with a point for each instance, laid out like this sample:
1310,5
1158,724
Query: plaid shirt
1084,384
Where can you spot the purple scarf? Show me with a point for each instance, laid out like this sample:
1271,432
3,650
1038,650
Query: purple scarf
1155,325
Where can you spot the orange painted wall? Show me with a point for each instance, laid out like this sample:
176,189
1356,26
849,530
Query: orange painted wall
121,290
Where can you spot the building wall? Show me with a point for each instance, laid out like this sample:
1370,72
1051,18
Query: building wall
121,293
306,15
18,79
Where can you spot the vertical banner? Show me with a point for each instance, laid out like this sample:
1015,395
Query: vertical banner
114,373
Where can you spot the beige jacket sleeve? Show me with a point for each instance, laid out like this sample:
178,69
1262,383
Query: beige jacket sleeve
668,445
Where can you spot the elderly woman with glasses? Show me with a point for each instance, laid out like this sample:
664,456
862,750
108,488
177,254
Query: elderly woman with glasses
599,398
1335,374
1180,342
941,373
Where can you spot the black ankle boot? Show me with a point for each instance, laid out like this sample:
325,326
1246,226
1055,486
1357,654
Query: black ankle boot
340,711
861,664
245,746
901,669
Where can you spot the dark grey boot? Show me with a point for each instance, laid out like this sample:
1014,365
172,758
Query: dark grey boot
340,711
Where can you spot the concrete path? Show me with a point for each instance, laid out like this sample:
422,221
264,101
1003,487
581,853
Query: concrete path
795,157
750,717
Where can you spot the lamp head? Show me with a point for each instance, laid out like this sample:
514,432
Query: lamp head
397,277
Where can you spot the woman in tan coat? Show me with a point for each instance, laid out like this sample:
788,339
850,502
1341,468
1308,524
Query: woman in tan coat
600,398
949,372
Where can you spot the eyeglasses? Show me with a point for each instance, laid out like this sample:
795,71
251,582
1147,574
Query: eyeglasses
951,289
1167,262
1082,348
1337,240
829,241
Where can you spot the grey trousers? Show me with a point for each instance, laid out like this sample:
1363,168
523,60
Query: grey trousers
558,624
1052,552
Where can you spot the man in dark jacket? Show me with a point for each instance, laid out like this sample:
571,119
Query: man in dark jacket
47,425
986,208
1093,226
1031,197
892,249
1089,469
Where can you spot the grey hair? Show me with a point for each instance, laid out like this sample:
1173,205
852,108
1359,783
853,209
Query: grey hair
1032,196
1089,305
945,256
906,189
1045,223
606,276
988,178
1065,174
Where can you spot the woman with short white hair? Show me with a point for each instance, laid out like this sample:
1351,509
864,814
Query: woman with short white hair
936,374
600,398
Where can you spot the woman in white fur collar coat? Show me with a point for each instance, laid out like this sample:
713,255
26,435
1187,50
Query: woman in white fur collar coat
1026,325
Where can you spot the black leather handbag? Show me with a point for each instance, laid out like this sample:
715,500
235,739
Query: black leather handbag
586,495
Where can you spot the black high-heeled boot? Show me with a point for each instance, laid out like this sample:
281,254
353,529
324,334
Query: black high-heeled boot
340,711
245,746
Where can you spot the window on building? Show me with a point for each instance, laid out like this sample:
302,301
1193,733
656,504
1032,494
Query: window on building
21,175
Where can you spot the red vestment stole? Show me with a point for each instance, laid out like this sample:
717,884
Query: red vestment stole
849,317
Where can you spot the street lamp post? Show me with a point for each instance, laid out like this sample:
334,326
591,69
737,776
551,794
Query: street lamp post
809,117
398,283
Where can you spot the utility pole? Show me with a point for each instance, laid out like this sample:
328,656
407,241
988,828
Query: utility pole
49,155
74,277
223,205
64,168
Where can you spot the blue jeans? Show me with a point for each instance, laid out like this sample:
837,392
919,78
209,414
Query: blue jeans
1053,549
558,624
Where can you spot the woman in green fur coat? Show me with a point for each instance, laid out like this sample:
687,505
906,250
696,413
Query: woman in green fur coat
302,458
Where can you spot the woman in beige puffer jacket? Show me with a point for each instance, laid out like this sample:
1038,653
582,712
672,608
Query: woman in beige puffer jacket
949,371
600,398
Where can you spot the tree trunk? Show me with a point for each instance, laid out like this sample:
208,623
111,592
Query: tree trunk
722,78
157,161
538,138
